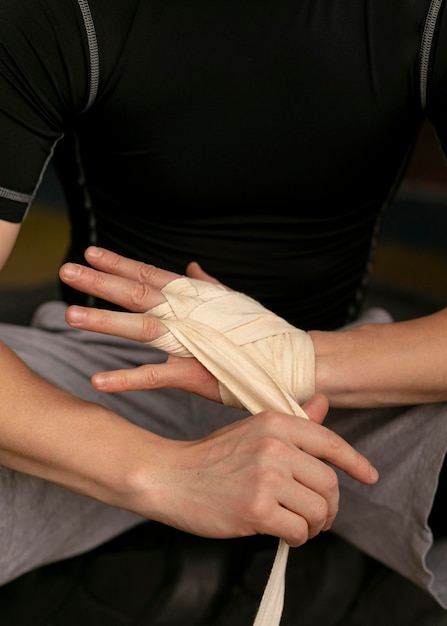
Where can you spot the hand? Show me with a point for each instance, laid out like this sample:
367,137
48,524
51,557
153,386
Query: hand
259,360
136,287
260,475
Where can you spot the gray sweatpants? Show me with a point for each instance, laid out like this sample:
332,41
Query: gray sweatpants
41,523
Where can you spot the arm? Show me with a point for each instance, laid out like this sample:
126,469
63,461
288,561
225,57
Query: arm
49,433
8,236
367,366
258,475
137,286
377,365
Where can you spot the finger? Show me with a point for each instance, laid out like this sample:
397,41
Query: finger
296,530
271,518
316,408
323,496
323,443
138,327
182,373
127,293
310,490
112,263
288,524
193,270
318,511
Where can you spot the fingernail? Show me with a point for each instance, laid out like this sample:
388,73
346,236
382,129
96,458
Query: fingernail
373,473
77,314
71,270
100,381
95,252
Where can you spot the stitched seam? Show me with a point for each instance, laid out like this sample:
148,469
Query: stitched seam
93,51
426,43
9,194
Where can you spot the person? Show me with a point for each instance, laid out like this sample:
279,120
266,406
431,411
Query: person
262,141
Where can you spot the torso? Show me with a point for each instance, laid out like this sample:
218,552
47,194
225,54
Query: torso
261,139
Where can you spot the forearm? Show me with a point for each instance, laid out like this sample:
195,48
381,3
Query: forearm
383,364
79,445
218,486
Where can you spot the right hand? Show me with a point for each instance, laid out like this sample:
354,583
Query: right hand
266,474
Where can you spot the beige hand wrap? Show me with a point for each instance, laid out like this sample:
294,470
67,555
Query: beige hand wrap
260,361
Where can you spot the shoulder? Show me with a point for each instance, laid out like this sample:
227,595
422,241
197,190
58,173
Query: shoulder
45,50
59,41
436,68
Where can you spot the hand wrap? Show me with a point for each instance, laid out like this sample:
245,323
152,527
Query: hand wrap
259,359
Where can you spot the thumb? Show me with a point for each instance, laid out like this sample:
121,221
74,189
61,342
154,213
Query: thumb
316,408
193,270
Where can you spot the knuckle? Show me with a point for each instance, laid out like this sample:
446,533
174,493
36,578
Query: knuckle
300,533
99,281
149,327
270,447
271,421
264,487
259,508
150,376
97,319
120,379
335,441
139,294
331,480
320,512
146,272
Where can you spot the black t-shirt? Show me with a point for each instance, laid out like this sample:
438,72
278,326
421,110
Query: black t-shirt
261,138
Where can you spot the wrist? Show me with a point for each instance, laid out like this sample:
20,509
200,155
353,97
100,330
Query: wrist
327,373
133,475
361,367
343,366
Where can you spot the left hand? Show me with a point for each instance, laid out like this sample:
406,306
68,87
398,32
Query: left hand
258,359
134,286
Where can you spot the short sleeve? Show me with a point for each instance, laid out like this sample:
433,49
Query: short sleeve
44,82
437,80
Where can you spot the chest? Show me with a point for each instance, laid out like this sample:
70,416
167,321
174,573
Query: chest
252,97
